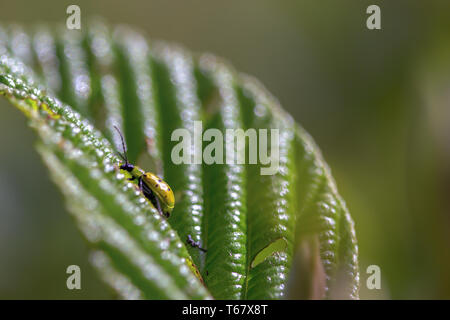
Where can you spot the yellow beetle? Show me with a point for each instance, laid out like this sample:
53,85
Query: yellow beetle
153,187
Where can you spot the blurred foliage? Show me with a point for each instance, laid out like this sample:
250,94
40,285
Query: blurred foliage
375,101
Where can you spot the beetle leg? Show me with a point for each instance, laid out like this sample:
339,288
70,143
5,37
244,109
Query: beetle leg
153,199
158,206
140,184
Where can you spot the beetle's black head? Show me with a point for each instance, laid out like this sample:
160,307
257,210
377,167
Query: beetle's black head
127,166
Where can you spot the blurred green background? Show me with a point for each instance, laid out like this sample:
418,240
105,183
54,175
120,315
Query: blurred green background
377,103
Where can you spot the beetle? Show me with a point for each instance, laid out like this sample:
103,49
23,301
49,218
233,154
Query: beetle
157,191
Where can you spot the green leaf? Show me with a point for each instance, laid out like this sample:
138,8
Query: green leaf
77,86
272,249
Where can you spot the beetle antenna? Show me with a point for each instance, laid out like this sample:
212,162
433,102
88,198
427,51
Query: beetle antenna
121,156
124,156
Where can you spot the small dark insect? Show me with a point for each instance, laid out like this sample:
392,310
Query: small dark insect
193,243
